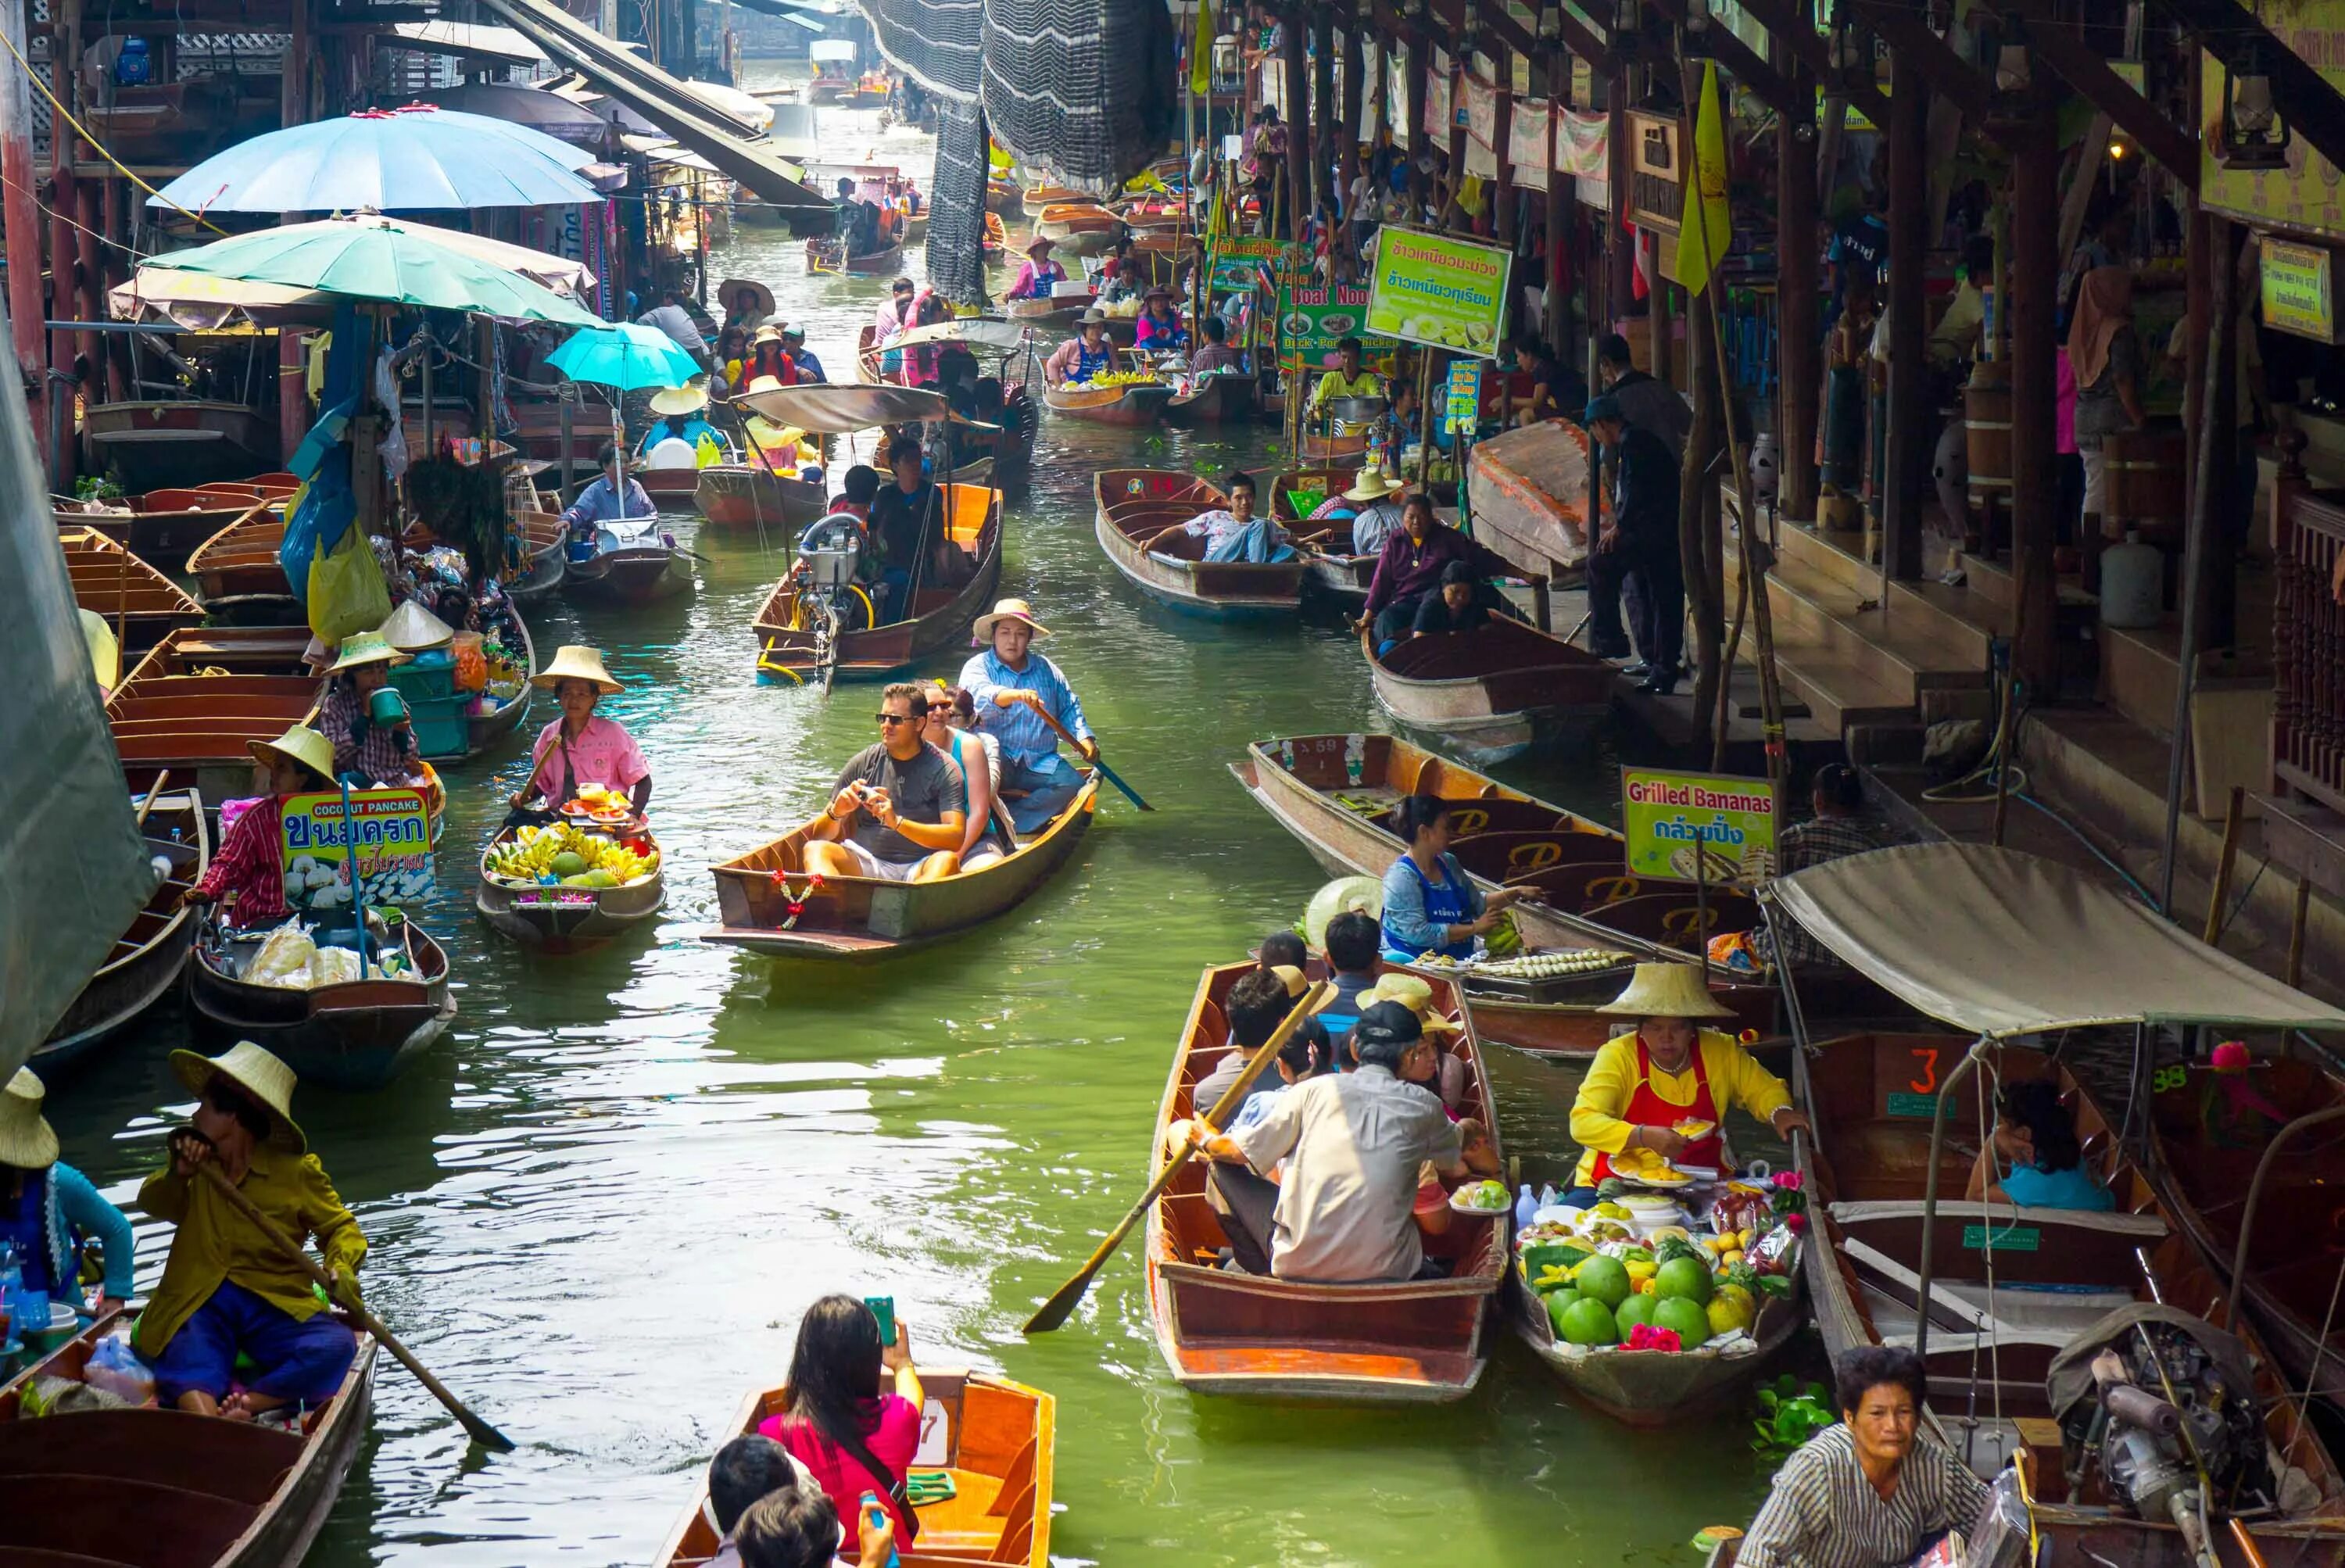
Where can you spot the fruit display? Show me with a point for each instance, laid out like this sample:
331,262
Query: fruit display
1125,379
1553,965
561,855
1481,1197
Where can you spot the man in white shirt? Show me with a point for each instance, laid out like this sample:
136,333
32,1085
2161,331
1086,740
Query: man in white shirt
670,317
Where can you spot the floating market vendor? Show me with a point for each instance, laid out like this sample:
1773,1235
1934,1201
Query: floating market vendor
1871,1491
1083,356
1159,327
581,747
2034,1160
226,1291
49,1211
369,750
1014,689
247,874
1038,276
1430,904
603,501
1348,379
1233,532
1375,504
1411,565
1664,1086
676,412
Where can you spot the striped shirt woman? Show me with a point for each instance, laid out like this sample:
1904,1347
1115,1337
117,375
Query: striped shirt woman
1825,1512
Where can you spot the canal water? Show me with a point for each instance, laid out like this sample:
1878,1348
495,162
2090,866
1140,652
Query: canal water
600,1207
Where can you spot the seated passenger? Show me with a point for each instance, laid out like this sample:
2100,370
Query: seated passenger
247,875
49,1211
799,1528
1283,946
1352,944
1086,354
1255,1006
1233,532
605,499
2034,1160
368,754
1430,904
1456,608
1216,354
225,1291
677,418
749,1468
1373,506
855,1430
898,811
952,730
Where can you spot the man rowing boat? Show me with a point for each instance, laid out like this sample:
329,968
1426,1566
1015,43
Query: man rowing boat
1018,693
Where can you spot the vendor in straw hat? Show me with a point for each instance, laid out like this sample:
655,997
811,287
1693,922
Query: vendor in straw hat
1374,506
370,751
247,874
1086,354
1038,275
226,1291
747,302
581,748
49,1210
1013,688
1668,1072
676,416
1159,327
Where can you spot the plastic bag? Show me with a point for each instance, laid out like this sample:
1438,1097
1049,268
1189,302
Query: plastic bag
472,663
115,1368
283,960
332,966
346,592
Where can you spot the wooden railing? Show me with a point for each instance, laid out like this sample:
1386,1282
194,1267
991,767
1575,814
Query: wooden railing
2308,634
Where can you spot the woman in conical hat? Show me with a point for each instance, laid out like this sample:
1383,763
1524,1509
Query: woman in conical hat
48,1210
583,748
248,872
1654,1097
373,752
226,1291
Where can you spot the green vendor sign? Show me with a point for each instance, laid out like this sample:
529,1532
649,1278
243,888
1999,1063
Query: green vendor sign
1312,319
1447,293
1670,818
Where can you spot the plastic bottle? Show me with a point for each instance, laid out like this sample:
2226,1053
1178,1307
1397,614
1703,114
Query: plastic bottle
1549,1196
1525,1206
32,1315
873,1516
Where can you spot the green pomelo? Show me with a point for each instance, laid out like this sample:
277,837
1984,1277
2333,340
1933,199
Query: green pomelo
1588,1321
1635,1310
1604,1279
568,863
1557,1304
1682,1278
1686,1319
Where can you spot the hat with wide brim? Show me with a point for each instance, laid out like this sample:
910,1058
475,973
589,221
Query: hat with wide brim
1009,610
1294,979
730,290
366,647
27,1141
1667,991
1412,991
1094,317
1374,484
681,399
768,333
299,745
575,661
1040,242
264,1079
413,629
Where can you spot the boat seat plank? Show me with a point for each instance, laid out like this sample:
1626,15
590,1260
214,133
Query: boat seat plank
141,1522
233,1459
1271,1360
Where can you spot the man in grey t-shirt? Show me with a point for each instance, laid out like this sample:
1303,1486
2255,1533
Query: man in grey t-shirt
898,810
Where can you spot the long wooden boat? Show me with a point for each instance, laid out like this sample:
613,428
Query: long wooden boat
859,918
1422,1341
941,618
483,730
997,1442
748,495
828,253
1492,694
543,541
633,569
1135,504
1575,1031
1061,313
152,445
171,712
149,954
565,920
1335,571
669,484
1005,199
1222,397
163,527
237,575
138,602
1084,228
141,1487
1317,448
353,1036
1132,404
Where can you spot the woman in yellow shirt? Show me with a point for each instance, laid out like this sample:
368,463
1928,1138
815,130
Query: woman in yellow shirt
1667,1072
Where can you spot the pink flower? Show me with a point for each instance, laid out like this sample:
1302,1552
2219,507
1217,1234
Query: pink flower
1787,1181
1645,1336
1795,1223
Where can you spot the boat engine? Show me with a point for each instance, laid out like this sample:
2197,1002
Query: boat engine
2174,1436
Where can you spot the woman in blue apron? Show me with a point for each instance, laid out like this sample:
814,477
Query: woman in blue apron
48,1210
1431,906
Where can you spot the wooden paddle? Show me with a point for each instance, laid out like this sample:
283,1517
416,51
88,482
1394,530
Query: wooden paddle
1105,771
154,793
481,1431
1054,1311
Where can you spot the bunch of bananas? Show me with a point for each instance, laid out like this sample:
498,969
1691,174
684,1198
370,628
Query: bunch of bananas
1125,379
557,853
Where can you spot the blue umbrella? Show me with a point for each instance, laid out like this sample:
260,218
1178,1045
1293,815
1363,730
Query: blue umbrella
627,355
411,161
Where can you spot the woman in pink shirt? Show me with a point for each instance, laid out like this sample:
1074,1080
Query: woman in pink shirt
1038,275
841,1426
579,748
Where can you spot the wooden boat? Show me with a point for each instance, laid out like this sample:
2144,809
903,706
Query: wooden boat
940,619
139,603
238,573
747,495
997,1442
353,1036
148,957
1574,1031
1224,397
1060,312
1135,504
637,568
1004,198
860,918
543,536
483,730
1223,1332
152,446
828,254
667,484
1334,449
142,1487
163,527
1131,405
1335,571
166,714
566,919
1084,228
1492,694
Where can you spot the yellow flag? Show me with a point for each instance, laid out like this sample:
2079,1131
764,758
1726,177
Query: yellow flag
1200,51
1707,229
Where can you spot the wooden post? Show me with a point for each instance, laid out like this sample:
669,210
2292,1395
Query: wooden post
1461,71
1560,197
2034,281
292,378
1420,66
1298,120
1323,109
1621,271
65,51
87,297
1502,196
20,216
1906,452
1347,133
1799,349
1699,543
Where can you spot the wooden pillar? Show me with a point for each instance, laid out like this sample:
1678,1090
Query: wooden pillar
1561,230
1461,69
86,299
1502,198
65,53
1299,153
293,86
1799,355
1420,66
1620,270
1906,454
2034,283
2218,579
1347,133
20,217
1323,109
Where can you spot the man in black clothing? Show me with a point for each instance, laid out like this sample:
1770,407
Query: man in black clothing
903,517
1644,402
1641,478
1453,609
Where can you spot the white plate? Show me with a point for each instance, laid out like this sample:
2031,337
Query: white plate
1473,1208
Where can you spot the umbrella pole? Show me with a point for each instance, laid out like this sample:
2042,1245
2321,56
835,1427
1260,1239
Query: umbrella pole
427,384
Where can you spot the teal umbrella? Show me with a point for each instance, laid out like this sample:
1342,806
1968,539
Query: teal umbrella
401,265
627,355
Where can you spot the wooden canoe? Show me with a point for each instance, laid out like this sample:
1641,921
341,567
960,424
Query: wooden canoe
138,602
149,1488
670,484
1084,227
163,527
543,541
1422,1341
566,919
1220,397
1135,504
998,1441
828,254
940,620
148,956
1334,449
165,714
151,445
355,1036
238,573
483,730
1132,404
745,495
1492,694
1059,312
643,570
1036,200
1335,571
859,918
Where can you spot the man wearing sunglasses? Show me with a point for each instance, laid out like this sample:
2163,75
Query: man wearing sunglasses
897,811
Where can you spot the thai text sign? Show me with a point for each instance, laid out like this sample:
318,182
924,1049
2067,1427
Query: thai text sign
1312,319
2299,283
394,849
1698,826
1238,262
1464,396
1430,289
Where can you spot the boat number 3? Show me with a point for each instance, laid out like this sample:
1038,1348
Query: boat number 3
2167,1079
1927,1084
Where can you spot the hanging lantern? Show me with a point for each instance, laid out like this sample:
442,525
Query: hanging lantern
1550,22
2253,134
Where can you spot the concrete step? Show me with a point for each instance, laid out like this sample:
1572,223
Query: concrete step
1912,651
1963,620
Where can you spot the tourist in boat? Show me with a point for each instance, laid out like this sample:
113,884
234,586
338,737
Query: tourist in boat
799,1528
1410,567
952,730
1430,904
898,811
808,368
1666,1073
732,369
894,314
677,416
745,1470
1215,355
1158,328
1038,276
1377,498
1014,689
1349,379
606,500
369,753
1870,1491
1646,403
225,1292
909,534
746,302
581,748
1233,532
1457,608
769,361
247,876
1355,942
2034,1160
671,317
1283,946
854,1428
1641,479
1086,354
49,1211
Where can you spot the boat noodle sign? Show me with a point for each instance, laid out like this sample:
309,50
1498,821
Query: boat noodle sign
1433,289
1710,827
394,850
1312,319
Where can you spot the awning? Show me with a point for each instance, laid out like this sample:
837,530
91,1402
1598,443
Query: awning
499,45
660,98
1999,943
985,332
841,409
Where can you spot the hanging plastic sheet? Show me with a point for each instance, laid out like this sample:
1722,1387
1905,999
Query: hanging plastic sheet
324,505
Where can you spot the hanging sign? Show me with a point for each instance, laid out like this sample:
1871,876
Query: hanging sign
1238,260
1583,149
1481,116
394,849
1530,132
1431,288
2300,289
1437,114
1670,818
1465,389
1396,98
1312,319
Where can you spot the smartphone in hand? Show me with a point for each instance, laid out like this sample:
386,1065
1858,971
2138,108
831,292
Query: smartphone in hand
884,1308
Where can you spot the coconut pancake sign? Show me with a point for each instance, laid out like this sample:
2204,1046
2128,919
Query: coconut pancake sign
393,834
1697,827
1443,292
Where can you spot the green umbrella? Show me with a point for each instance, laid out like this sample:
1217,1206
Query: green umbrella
358,261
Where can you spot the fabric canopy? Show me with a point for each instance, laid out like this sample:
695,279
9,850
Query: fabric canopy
985,332
2004,943
840,409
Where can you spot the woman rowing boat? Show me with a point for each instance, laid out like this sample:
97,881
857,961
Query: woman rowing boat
581,747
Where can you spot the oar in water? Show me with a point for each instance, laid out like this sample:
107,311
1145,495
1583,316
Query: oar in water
1105,771
1054,1311
481,1431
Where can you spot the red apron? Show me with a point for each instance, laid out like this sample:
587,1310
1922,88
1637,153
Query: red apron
1648,1109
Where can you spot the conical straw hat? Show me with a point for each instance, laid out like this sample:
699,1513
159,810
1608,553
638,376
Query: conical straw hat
574,661
367,647
414,628
298,744
681,399
26,1140
1412,991
1009,610
261,1076
1667,991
